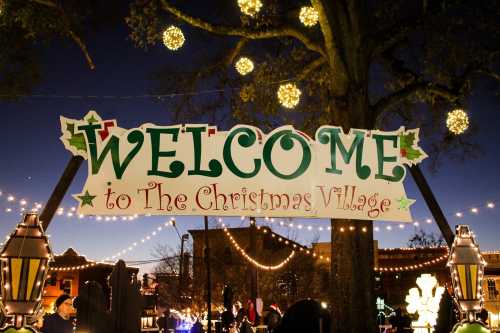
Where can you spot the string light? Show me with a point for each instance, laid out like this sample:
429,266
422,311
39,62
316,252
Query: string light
306,251
289,95
131,247
244,65
255,262
414,266
472,209
77,267
173,38
457,121
250,7
68,212
148,237
308,16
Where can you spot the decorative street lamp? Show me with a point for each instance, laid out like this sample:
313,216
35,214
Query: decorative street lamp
24,265
467,270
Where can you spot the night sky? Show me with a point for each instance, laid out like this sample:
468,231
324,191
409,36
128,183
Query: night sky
33,156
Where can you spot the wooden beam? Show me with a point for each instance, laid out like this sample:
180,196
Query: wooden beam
432,203
60,190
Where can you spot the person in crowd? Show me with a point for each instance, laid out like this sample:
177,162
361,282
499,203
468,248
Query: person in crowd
239,312
246,326
60,321
197,327
251,313
273,318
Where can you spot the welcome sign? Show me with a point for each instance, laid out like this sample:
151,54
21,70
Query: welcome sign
199,170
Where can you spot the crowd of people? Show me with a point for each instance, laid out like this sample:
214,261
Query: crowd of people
236,319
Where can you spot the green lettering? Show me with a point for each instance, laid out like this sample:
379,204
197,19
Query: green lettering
331,135
176,167
246,139
286,138
214,166
398,171
112,146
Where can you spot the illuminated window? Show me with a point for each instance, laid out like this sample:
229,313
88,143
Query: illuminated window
492,291
66,286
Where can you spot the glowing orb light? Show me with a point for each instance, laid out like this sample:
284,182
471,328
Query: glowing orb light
308,16
457,121
289,95
250,7
244,65
173,38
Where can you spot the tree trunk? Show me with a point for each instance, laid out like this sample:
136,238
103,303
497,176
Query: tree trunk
352,281
352,253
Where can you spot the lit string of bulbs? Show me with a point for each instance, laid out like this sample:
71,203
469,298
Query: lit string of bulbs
130,248
266,230
306,251
69,213
473,210
252,260
414,266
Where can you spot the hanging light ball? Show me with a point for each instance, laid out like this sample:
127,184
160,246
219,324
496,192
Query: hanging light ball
289,95
173,38
244,65
250,7
308,16
457,121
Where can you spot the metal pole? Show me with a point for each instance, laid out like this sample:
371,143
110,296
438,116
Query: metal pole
209,284
60,190
433,205
253,269
181,267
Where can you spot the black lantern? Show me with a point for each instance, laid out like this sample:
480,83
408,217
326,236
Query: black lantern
24,264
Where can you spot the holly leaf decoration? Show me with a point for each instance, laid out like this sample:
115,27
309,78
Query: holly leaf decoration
406,142
76,140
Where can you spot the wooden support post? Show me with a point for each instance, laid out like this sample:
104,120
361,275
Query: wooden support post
60,190
209,284
433,205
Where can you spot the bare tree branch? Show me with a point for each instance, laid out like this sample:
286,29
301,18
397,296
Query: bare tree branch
310,68
414,84
284,31
489,73
46,3
236,51
71,33
387,102
387,39
83,47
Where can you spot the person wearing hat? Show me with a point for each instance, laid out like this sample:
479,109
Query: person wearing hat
59,321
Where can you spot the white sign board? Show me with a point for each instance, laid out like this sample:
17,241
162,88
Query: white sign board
199,170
